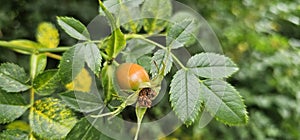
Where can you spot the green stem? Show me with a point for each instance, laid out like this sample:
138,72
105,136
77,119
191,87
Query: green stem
54,56
109,15
8,45
131,36
16,47
58,49
31,105
162,47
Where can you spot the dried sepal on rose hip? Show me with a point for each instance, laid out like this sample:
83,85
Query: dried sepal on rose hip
131,76
134,79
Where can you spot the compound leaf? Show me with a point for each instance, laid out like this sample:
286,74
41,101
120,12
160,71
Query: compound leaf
161,58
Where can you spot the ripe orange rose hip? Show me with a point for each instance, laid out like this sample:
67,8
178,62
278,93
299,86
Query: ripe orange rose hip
130,76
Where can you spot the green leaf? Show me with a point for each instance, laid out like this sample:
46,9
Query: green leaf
115,44
46,83
161,57
92,57
14,135
185,96
182,33
126,11
81,101
145,61
114,6
38,64
130,19
107,76
12,106
70,65
13,78
135,49
47,35
183,15
74,28
224,102
156,13
89,133
210,65
50,118
18,124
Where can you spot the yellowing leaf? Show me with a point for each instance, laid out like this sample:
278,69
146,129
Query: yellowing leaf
47,35
18,124
24,45
82,82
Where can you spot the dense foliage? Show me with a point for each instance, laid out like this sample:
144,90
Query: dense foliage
259,36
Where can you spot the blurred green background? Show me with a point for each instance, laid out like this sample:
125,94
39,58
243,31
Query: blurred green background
261,36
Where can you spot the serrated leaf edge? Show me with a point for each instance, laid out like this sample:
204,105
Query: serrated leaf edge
79,36
198,110
227,123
